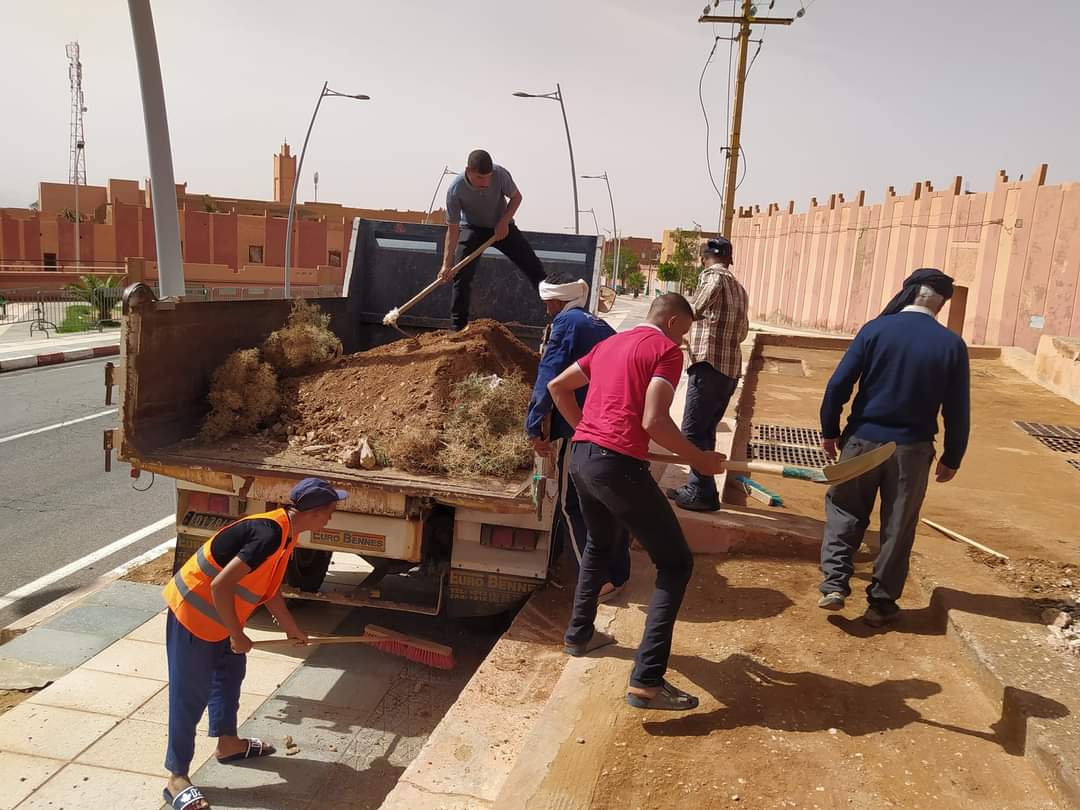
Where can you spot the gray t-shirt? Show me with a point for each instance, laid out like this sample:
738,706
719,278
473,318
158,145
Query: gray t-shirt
480,208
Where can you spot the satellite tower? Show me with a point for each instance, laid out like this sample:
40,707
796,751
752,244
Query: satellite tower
76,158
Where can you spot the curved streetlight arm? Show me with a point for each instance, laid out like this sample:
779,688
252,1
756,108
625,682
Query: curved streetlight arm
431,206
557,96
614,226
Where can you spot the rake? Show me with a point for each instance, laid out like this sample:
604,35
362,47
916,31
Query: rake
833,474
428,653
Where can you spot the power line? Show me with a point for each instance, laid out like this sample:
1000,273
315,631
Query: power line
705,114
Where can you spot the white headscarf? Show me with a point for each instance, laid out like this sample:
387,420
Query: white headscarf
574,293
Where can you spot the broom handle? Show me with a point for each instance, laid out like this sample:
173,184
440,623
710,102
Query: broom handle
453,271
766,467
320,640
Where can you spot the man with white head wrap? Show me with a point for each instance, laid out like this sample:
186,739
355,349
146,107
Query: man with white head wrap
571,335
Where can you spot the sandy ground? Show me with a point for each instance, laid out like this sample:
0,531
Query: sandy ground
156,572
1012,493
799,708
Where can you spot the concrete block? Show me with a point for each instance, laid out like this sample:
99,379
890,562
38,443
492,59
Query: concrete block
132,595
139,658
156,709
15,674
100,620
136,745
101,692
344,677
21,775
85,786
46,731
264,675
63,648
152,631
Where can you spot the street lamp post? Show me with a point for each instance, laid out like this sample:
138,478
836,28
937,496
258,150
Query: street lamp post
316,186
431,206
614,227
326,91
557,96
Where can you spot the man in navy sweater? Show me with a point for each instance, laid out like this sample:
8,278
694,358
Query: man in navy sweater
908,368
572,334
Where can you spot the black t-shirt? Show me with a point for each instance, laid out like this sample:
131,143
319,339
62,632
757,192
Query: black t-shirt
253,541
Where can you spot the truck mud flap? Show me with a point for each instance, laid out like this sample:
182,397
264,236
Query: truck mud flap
482,593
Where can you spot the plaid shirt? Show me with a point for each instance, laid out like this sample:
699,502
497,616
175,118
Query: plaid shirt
721,304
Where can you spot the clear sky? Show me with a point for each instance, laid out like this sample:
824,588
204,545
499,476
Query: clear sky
858,94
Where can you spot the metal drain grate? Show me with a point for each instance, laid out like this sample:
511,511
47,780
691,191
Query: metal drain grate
787,454
783,434
1074,463
1060,445
1043,429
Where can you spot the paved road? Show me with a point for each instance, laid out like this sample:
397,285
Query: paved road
57,505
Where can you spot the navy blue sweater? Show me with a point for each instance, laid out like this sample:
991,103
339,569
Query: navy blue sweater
574,332
908,367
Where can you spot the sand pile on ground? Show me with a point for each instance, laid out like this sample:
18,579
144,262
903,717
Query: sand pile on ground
421,404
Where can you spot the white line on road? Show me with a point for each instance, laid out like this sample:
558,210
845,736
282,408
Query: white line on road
57,425
60,573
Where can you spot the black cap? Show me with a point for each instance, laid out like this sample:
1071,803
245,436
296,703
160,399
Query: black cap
717,246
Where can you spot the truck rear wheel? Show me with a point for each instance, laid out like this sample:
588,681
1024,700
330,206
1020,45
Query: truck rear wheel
307,569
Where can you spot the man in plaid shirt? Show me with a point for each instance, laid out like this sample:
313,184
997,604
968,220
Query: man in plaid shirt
720,309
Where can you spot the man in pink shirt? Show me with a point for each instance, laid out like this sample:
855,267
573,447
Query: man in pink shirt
632,379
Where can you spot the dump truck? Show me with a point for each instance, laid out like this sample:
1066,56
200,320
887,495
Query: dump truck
434,544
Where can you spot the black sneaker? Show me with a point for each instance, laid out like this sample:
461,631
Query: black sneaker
697,504
833,600
597,641
675,494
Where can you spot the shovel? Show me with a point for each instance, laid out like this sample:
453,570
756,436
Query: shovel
833,474
392,316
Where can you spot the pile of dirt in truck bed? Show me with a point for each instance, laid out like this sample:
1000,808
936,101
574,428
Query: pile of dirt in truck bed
398,396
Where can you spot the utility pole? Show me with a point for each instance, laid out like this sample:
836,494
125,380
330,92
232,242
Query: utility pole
744,21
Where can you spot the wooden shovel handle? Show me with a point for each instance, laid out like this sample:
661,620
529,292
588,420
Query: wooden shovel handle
437,282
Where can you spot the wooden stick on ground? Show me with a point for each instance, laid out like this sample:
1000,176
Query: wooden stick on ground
960,538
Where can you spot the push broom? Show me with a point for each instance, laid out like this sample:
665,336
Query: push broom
428,653
832,474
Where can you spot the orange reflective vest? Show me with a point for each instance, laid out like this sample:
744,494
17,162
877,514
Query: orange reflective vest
188,592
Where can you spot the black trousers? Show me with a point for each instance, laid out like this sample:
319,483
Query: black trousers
617,492
515,247
708,393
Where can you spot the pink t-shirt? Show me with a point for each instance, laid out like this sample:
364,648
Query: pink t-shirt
619,371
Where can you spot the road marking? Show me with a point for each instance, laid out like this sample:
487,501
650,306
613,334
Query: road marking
145,557
35,431
31,588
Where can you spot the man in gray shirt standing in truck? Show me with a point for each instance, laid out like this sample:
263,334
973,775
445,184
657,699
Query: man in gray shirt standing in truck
481,203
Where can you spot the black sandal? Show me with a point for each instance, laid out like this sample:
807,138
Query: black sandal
256,748
669,698
186,798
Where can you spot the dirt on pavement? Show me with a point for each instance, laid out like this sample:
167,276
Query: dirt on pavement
156,572
799,708
10,698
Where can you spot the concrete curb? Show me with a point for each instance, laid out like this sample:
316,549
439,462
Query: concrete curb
53,358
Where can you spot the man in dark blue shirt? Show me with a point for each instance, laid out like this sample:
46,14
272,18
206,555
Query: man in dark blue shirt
571,335
909,368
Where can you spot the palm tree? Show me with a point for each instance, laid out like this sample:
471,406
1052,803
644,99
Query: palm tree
100,292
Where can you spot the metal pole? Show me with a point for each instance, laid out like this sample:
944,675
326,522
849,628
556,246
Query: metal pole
570,147
431,206
163,183
78,257
296,185
614,227
736,124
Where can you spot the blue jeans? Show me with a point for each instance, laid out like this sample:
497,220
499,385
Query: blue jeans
618,493
201,674
570,525
708,393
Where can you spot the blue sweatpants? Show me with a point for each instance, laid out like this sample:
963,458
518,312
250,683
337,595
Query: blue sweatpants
201,674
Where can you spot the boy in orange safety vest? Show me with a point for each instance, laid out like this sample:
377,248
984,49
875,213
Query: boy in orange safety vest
210,598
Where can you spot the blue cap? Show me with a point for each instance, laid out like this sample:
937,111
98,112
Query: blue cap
311,493
717,246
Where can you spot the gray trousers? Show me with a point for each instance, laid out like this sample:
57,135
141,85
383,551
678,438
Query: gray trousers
902,483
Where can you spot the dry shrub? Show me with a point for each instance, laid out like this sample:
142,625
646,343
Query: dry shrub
303,342
483,433
243,396
414,449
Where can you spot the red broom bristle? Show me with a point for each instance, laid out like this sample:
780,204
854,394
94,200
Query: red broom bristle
418,654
